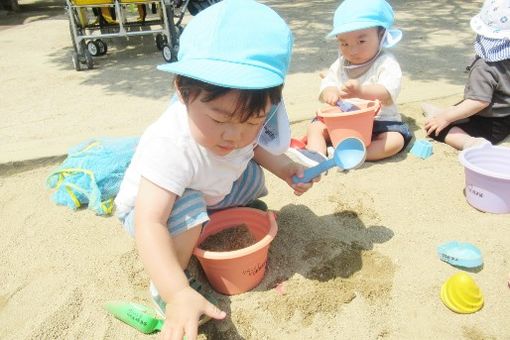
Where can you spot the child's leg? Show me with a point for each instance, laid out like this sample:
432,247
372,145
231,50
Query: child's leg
457,138
188,214
388,139
475,130
385,145
247,188
184,244
317,137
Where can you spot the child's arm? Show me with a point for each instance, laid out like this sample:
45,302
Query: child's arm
284,168
157,252
329,92
353,89
466,108
330,95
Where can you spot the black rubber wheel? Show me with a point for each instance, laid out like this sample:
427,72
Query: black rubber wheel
93,48
179,30
103,48
88,60
175,52
76,61
167,53
160,41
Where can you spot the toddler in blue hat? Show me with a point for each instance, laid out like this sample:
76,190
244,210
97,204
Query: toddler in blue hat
366,70
206,151
484,114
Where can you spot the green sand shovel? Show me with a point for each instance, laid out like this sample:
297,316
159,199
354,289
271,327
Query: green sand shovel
138,316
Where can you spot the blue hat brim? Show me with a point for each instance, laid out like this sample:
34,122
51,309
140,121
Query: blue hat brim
225,74
352,26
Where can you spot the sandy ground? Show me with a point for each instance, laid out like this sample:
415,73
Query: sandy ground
356,256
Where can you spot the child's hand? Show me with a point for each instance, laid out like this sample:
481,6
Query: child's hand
350,89
330,95
183,313
436,124
296,169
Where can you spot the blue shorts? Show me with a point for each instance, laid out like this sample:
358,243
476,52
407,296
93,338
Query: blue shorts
381,126
190,209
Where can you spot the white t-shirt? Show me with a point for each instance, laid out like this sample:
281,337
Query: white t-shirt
384,71
168,156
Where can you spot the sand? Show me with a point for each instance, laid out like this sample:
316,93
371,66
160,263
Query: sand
353,258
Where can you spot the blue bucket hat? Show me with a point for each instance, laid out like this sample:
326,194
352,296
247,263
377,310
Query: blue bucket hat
237,44
355,15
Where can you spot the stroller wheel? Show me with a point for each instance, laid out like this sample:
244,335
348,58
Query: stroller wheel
169,54
160,41
103,48
179,29
88,59
93,48
76,61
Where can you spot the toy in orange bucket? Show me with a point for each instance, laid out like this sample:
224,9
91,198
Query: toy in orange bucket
350,118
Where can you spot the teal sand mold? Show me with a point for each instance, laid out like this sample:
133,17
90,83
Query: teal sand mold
460,254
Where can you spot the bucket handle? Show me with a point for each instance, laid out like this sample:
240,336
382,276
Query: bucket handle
378,103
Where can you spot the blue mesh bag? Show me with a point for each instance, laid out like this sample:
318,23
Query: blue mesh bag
92,173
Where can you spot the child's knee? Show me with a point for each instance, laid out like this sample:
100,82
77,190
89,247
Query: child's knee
392,142
317,127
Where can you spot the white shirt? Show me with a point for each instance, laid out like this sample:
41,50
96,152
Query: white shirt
168,156
384,71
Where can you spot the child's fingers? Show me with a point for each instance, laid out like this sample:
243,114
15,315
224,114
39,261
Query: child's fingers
214,312
301,188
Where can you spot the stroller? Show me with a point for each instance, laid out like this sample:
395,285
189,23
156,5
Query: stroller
91,22
177,11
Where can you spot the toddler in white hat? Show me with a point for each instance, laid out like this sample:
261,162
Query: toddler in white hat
484,114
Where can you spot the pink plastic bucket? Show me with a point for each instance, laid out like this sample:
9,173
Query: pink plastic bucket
237,271
487,170
358,123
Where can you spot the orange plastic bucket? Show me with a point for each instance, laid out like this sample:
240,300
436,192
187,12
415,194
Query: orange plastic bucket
358,123
238,271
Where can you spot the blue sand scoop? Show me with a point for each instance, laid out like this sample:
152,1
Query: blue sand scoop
349,154
460,254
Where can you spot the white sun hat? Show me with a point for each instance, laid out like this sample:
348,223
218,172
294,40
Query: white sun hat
493,21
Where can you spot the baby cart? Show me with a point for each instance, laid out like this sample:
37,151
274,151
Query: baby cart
93,21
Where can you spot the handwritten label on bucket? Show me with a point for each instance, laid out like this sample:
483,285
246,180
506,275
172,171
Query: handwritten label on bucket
473,190
253,270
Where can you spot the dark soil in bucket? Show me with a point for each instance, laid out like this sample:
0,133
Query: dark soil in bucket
233,238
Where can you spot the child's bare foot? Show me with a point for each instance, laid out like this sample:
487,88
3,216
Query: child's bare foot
430,110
